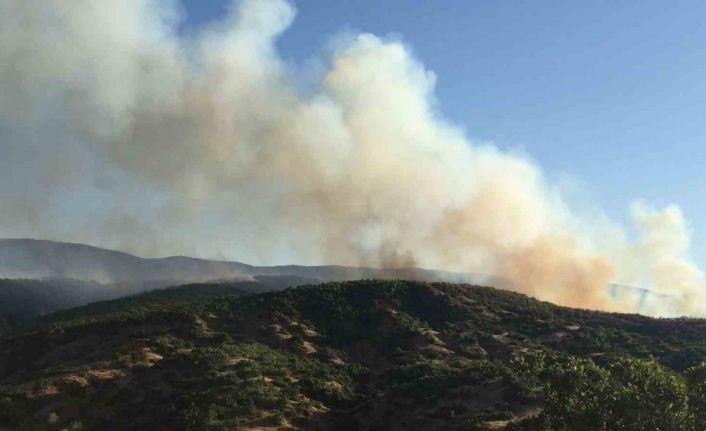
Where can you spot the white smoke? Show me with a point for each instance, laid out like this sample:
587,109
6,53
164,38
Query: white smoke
116,130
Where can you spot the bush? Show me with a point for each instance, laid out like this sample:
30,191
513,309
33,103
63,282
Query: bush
578,396
648,397
10,413
632,394
696,384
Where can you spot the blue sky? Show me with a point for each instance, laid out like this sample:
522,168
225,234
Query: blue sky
610,94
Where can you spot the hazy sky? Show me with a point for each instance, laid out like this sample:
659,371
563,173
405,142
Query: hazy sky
608,97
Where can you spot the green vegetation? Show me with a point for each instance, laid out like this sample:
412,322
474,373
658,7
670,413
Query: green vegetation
143,303
357,355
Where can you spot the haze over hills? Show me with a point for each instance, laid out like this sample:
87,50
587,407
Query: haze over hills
30,258
38,277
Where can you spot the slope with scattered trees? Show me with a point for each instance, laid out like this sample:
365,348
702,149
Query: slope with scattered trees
366,355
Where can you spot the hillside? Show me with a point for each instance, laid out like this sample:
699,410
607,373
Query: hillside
368,355
24,300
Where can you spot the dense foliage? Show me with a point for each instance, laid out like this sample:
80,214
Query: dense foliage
358,355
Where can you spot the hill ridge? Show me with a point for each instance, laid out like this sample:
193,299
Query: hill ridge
368,355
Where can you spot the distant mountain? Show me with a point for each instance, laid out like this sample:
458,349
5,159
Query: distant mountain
28,258
39,277
32,259
364,355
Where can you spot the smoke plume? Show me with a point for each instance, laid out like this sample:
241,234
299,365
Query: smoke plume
118,130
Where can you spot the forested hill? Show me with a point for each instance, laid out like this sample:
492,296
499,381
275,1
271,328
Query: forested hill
369,355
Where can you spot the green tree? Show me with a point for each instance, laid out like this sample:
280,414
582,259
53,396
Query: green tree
631,394
579,396
696,385
648,397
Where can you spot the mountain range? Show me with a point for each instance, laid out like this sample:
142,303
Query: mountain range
36,259
38,277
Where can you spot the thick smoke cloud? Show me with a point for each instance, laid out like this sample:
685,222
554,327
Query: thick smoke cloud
116,130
